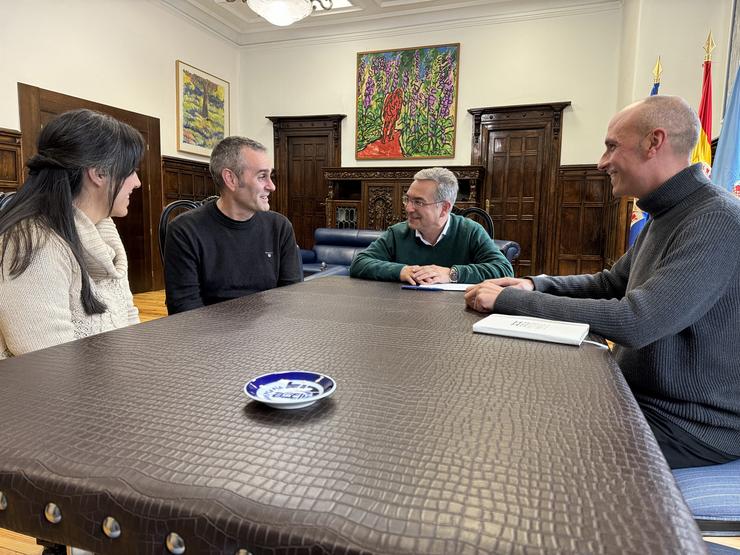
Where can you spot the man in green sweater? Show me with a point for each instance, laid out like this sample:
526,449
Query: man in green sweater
432,245
672,302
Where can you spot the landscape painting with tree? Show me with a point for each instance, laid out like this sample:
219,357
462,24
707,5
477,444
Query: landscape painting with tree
407,103
202,110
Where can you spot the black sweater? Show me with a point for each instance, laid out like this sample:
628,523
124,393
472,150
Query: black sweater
211,258
672,305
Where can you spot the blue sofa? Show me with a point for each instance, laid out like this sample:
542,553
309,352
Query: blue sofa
334,250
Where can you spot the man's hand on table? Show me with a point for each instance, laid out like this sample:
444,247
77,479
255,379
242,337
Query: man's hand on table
482,297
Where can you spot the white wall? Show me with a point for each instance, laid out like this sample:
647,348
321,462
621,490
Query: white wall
676,30
123,52
523,62
600,61
116,52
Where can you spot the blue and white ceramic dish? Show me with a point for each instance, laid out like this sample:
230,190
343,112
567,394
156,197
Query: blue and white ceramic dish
293,389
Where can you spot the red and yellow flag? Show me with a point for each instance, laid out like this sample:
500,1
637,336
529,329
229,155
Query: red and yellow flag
703,150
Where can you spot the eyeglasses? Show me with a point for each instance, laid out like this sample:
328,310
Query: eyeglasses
418,203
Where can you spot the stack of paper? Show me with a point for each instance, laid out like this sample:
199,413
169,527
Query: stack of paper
527,327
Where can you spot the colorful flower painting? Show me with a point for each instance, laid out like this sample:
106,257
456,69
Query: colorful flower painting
202,110
407,103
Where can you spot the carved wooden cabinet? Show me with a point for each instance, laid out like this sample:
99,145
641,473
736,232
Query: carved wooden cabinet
371,197
11,162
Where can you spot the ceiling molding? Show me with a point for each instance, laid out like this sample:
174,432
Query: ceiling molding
377,22
203,19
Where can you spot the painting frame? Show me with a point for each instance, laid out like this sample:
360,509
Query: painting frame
203,117
406,102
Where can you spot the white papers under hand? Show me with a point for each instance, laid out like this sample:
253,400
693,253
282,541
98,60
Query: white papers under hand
447,286
527,327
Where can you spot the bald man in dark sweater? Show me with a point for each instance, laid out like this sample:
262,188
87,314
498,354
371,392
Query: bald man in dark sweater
672,302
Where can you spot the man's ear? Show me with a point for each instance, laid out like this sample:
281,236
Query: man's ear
658,139
231,181
446,207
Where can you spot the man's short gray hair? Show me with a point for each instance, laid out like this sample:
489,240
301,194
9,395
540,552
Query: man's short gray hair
673,114
446,183
225,155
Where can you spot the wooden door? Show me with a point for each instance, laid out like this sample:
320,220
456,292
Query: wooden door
304,146
520,148
39,106
306,187
514,191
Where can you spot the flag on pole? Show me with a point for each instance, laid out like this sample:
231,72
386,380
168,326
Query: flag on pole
726,168
703,150
657,71
639,218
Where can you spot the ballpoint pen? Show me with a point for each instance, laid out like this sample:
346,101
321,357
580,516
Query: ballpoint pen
420,288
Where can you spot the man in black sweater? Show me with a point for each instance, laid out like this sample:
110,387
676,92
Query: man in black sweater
672,302
233,246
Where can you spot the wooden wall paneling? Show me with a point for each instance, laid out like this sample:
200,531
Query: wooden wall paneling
617,217
138,230
304,145
11,161
186,179
583,197
520,148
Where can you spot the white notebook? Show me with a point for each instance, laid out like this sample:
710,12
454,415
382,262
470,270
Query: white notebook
527,327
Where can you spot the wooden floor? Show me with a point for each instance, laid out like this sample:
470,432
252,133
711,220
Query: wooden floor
15,544
151,306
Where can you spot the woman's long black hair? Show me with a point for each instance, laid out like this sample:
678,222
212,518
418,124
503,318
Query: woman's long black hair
68,145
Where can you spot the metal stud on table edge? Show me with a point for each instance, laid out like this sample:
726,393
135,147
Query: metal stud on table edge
111,528
53,513
3,501
175,543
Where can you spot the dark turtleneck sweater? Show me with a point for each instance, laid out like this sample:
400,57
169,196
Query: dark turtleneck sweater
672,306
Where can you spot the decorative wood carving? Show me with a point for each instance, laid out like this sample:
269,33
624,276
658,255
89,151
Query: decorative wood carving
400,173
380,213
515,115
378,191
11,161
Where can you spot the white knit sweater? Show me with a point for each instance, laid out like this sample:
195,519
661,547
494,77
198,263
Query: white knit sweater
42,306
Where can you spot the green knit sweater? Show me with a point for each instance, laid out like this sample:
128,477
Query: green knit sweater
466,246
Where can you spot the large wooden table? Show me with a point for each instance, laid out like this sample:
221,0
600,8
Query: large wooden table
437,440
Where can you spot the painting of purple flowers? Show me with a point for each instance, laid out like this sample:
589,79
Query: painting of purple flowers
407,103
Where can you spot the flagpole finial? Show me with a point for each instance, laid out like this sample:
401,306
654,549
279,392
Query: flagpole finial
657,71
708,47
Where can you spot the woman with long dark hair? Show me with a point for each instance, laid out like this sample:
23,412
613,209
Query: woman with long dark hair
63,268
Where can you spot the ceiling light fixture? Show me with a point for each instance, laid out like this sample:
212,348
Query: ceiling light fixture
285,12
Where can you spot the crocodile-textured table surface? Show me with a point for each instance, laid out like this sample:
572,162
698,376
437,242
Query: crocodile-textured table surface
437,440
